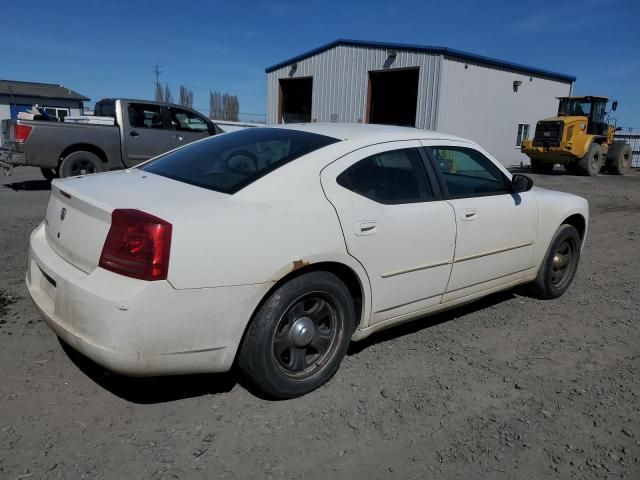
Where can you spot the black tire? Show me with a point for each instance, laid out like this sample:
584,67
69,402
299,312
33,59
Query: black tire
592,162
539,166
80,163
559,265
619,158
299,336
49,173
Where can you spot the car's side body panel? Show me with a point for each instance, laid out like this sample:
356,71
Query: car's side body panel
407,248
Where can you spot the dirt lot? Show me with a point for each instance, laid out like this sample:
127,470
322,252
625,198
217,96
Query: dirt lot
510,387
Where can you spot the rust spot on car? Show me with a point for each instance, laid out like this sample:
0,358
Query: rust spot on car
298,264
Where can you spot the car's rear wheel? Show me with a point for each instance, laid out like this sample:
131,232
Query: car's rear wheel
80,163
299,336
559,265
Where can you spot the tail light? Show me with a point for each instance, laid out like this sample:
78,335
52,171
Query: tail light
137,245
21,133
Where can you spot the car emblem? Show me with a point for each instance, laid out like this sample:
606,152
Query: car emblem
63,213
547,134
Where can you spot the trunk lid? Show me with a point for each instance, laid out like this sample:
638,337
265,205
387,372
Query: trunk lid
78,215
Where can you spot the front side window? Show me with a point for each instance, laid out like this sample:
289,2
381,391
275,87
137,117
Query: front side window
523,133
187,121
227,163
144,116
391,177
468,173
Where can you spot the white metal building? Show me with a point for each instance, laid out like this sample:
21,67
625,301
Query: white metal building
493,102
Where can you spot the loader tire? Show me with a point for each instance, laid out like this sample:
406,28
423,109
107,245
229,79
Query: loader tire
592,162
619,158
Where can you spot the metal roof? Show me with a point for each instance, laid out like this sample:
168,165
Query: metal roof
447,52
39,90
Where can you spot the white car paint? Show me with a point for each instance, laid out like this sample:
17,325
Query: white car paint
228,251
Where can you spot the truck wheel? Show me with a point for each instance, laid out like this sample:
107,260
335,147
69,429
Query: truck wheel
591,163
49,173
539,166
619,158
80,163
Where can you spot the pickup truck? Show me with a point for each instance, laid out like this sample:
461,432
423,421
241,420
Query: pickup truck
141,130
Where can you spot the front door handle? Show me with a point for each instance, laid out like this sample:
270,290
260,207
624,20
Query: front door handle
469,214
179,138
368,227
134,134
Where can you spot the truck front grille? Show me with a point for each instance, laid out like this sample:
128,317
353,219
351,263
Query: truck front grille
548,134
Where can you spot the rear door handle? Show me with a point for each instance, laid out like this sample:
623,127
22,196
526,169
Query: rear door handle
134,134
368,227
469,214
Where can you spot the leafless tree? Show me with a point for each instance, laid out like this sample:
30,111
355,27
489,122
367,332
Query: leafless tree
223,106
186,96
168,98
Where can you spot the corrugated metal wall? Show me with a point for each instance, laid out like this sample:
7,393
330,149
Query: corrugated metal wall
340,82
478,102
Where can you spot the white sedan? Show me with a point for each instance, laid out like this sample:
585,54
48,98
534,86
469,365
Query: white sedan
273,248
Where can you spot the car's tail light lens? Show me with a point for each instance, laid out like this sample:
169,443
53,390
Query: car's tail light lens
137,245
21,133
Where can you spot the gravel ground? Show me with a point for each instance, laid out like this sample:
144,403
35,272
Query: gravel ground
509,387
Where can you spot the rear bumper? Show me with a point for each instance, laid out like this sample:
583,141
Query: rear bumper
10,159
134,327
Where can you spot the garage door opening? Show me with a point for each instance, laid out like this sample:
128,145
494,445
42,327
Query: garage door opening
295,100
393,97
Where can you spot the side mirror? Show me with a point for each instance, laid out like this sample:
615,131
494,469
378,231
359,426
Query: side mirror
614,105
521,183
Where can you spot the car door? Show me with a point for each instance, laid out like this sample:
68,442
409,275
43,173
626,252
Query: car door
496,230
395,224
146,133
187,126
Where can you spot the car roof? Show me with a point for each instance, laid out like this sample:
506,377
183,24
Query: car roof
366,132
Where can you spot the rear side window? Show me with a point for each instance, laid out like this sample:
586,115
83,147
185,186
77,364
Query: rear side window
391,177
468,173
145,116
227,163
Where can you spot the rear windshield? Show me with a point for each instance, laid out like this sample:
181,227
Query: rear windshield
227,163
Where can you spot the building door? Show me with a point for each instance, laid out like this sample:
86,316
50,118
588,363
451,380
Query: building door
393,97
295,100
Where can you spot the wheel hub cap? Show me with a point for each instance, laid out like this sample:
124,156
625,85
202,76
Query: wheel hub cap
302,332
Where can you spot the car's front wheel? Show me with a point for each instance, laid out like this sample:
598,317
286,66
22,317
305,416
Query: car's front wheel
559,265
299,336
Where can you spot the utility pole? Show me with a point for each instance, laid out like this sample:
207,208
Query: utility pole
159,94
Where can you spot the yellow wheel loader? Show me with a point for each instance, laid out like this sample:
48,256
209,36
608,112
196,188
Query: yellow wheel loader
580,137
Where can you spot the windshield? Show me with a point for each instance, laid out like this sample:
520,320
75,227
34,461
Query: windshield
227,163
574,106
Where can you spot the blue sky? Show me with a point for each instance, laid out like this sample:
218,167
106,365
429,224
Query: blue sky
105,48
